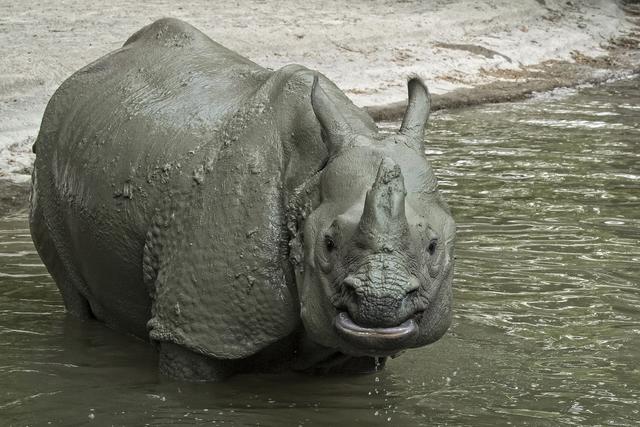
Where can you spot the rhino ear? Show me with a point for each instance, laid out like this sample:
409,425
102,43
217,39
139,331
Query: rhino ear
335,128
418,108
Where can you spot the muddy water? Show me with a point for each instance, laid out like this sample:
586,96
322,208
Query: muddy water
547,299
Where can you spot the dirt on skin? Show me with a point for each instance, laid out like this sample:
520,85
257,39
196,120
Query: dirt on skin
468,52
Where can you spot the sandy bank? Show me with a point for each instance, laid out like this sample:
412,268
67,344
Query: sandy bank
468,52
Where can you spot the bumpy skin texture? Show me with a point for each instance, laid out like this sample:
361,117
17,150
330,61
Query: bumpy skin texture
180,192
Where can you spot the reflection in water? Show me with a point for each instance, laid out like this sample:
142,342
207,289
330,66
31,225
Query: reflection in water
547,310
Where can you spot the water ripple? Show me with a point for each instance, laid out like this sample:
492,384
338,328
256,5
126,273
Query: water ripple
546,326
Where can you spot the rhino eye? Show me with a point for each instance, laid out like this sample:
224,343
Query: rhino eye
433,244
329,243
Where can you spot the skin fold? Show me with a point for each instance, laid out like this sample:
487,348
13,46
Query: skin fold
239,218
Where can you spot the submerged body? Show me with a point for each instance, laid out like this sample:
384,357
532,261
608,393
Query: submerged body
175,192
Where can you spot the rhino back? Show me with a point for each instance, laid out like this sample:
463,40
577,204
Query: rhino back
119,136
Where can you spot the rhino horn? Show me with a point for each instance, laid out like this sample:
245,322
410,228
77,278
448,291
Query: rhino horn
383,219
418,108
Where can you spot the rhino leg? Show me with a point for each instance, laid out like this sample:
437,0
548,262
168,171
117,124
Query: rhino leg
74,301
181,364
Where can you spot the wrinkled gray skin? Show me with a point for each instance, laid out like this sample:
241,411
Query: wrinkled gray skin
243,219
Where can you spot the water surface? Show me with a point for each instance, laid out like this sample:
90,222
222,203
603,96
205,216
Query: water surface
547,299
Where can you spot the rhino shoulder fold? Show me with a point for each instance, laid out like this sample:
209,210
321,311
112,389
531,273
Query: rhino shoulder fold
214,263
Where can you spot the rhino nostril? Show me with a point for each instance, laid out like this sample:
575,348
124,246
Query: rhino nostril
350,286
412,287
349,283
411,292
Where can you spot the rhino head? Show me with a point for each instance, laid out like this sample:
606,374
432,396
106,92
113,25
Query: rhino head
378,248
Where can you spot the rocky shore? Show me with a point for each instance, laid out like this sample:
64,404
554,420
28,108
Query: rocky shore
468,52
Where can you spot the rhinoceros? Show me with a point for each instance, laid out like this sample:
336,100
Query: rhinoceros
240,219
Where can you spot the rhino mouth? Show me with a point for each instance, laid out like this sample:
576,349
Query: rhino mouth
378,341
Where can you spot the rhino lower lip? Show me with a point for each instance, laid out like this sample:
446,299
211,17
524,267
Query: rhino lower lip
375,338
